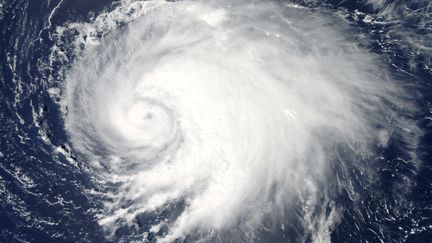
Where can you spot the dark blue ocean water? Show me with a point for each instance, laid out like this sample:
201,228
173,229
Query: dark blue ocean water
43,183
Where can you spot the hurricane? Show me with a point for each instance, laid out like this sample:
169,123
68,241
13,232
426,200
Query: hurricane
236,121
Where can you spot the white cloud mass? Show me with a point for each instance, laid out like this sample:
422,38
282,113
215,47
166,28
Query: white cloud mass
233,107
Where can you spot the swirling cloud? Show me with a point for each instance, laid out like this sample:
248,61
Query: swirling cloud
233,108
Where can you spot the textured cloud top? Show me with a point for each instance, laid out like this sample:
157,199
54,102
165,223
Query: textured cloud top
232,110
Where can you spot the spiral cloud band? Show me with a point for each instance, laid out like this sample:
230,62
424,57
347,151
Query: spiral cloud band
231,109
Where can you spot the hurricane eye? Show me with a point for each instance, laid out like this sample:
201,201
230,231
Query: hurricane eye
148,116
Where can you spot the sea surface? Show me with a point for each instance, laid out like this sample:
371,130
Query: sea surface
56,126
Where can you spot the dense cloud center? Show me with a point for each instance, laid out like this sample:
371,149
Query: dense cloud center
222,106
